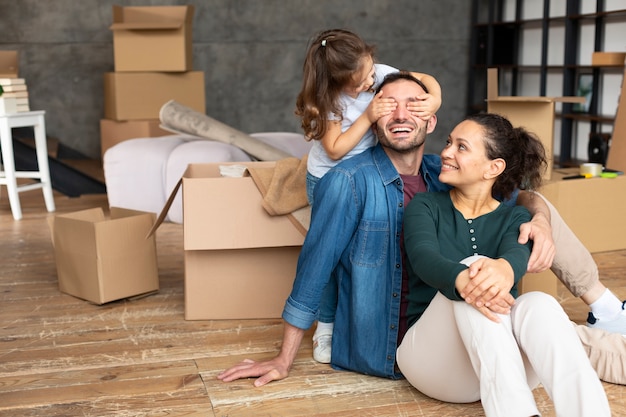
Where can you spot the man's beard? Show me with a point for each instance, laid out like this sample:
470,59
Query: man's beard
405,146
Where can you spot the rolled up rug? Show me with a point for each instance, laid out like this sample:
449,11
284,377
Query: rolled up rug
178,118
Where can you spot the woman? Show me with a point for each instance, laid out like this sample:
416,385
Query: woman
458,352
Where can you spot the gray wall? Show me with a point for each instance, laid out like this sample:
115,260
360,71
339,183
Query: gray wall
250,50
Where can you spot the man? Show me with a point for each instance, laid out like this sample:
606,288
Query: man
355,233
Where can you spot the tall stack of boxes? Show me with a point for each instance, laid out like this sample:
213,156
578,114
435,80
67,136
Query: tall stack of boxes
153,64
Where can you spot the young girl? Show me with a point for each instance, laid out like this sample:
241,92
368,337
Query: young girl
337,106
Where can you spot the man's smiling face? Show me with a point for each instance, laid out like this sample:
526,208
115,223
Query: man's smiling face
400,130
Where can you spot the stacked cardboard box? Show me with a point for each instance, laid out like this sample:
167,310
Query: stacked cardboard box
153,64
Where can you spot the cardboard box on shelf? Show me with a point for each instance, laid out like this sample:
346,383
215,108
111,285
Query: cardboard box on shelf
103,259
240,262
113,132
140,95
152,38
536,114
9,64
608,59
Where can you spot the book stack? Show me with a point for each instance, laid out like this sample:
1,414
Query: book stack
16,88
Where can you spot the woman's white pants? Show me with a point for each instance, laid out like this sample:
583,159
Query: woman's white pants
455,354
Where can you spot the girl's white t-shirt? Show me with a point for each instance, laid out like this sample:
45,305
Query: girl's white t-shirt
319,162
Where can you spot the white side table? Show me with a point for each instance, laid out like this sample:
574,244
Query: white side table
9,176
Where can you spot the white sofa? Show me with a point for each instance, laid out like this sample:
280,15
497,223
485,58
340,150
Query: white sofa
140,173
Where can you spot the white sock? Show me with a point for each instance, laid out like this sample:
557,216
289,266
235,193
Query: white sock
323,328
607,307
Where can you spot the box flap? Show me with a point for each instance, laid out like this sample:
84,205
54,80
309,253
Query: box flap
68,230
616,158
151,17
163,25
74,242
126,259
165,209
120,213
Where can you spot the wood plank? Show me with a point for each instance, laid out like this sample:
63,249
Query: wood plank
122,390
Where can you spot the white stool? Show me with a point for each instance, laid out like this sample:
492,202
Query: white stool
9,176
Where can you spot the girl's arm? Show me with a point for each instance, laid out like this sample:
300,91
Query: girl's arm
338,144
430,102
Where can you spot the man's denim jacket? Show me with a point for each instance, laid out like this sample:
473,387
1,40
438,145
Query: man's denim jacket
355,234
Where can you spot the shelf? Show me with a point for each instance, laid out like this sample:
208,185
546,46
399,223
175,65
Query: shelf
606,68
585,117
558,19
605,15
500,43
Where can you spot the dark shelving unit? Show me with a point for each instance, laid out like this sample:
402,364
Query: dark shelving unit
497,42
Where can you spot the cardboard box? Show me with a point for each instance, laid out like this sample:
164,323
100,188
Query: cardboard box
140,95
544,281
102,260
592,207
113,132
9,64
152,38
240,262
535,114
608,59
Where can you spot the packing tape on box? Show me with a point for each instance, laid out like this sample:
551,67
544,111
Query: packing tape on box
594,170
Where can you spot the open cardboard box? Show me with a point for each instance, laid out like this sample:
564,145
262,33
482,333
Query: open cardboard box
152,38
535,114
240,262
140,95
103,259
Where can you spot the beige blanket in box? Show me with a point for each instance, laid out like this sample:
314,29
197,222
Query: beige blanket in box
283,188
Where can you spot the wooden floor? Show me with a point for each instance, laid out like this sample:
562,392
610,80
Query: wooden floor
61,356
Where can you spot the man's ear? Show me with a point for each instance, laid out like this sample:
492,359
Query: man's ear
432,123
496,167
